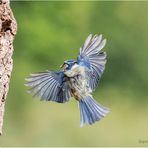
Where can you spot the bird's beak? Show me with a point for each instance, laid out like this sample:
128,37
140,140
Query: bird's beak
61,66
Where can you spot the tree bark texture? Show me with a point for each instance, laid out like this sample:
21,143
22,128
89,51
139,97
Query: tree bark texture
8,28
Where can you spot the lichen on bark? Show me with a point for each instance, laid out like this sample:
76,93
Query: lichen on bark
8,28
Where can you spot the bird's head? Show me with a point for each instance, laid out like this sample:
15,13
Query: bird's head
67,65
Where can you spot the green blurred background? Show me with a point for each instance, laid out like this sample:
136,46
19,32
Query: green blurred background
51,32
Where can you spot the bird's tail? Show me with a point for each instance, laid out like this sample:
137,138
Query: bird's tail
91,111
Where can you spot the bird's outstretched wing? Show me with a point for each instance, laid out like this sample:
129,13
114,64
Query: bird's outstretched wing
93,58
49,86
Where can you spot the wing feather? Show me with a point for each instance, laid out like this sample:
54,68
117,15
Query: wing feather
93,58
49,86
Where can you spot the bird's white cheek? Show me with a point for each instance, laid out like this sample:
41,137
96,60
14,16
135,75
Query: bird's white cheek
75,70
70,73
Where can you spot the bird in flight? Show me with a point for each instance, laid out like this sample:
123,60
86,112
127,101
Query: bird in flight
77,79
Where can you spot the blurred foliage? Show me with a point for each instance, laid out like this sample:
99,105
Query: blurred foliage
51,32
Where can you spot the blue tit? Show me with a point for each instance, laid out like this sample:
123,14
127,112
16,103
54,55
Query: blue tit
77,79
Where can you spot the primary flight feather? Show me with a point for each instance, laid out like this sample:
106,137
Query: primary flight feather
77,79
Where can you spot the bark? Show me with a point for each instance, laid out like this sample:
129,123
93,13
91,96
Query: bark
7,32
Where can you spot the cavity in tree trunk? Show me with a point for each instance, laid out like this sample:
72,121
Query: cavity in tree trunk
7,32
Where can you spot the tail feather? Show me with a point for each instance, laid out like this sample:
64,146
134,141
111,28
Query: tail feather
91,111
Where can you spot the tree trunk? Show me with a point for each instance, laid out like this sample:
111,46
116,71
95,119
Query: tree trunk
8,28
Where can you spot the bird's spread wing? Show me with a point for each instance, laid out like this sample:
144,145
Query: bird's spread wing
49,86
93,58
